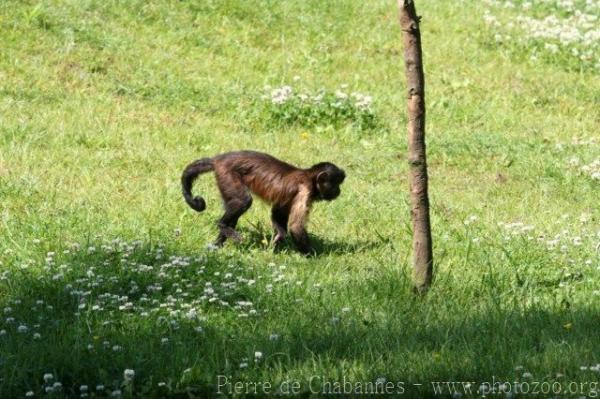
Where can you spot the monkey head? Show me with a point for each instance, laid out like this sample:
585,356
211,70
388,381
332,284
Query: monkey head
328,179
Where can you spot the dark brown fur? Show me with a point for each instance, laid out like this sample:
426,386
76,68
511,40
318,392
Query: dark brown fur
291,190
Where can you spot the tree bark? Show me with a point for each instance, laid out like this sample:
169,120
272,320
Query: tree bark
419,198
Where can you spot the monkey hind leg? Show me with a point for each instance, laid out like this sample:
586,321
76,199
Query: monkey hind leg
237,201
279,218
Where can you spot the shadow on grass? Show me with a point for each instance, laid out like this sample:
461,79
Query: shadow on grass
325,246
258,238
386,333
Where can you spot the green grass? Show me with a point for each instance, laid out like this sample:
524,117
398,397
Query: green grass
102,104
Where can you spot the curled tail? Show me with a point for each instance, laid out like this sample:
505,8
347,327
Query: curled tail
190,173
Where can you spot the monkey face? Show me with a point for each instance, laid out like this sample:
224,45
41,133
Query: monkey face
329,181
331,194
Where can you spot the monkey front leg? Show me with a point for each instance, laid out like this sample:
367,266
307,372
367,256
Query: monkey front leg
300,237
298,219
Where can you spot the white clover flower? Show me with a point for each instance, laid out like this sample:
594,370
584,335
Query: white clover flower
100,387
281,95
128,374
22,329
553,48
470,220
490,19
273,337
258,355
243,365
341,95
363,102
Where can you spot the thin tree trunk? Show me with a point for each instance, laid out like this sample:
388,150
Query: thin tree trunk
422,247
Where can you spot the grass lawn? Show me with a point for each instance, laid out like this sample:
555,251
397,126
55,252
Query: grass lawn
106,283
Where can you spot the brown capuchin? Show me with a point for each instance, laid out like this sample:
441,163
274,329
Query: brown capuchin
289,189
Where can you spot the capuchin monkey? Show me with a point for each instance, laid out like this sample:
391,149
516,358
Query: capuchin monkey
289,189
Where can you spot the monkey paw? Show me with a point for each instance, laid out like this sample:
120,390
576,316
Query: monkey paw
278,239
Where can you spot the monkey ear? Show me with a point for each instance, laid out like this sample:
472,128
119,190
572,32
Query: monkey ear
322,177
